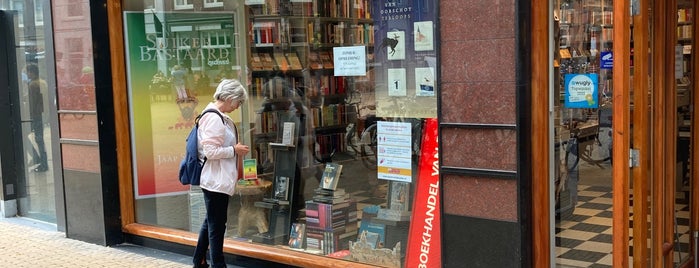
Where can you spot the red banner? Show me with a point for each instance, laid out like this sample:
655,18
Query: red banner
425,238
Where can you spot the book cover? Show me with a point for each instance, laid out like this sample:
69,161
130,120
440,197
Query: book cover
331,176
297,236
288,133
250,169
374,233
399,196
281,188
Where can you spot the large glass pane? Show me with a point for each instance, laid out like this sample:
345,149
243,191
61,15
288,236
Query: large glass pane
35,90
683,241
582,124
333,86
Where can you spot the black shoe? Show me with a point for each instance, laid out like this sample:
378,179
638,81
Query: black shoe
201,265
41,169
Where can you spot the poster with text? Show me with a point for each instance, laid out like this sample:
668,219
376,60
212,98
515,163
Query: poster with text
394,151
405,44
163,103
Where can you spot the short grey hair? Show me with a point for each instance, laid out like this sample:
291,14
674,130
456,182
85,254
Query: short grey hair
230,89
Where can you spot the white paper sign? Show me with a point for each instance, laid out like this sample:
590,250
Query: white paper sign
349,61
394,151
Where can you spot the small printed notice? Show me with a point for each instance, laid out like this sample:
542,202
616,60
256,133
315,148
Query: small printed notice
581,91
394,151
350,61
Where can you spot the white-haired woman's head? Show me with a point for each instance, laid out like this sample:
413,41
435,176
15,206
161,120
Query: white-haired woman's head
230,90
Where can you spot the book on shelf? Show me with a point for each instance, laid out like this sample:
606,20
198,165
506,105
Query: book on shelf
256,62
267,61
288,133
282,63
314,61
331,175
294,61
326,59
297,235
281,188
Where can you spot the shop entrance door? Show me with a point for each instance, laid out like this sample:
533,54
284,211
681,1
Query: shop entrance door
661,198
622,182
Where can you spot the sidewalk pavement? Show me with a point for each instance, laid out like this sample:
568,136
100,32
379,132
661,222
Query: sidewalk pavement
28,243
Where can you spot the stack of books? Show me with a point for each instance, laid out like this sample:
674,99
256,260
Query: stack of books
330,227
330,196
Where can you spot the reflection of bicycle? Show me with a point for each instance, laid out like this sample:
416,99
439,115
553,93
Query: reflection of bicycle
364,144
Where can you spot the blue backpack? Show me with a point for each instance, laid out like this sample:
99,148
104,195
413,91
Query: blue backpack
190,167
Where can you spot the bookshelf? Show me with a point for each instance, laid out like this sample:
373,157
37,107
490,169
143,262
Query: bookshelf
293,41
293,79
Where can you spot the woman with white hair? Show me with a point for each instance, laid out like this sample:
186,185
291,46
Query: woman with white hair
219,143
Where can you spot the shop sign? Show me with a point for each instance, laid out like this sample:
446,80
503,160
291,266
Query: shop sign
425,236
581,91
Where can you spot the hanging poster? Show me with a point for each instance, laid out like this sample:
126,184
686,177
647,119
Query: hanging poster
163,53
404,45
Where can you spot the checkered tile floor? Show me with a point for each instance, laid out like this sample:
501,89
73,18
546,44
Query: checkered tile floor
585,238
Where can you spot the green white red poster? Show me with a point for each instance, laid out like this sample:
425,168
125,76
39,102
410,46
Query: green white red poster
424,248
171,69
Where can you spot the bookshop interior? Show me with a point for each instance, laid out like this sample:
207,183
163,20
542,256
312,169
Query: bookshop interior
582,93
339,93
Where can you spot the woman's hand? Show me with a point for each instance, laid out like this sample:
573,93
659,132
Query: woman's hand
241,149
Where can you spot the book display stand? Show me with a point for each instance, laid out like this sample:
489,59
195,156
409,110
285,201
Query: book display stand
281,201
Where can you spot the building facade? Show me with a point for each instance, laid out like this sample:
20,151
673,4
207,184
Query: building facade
468,134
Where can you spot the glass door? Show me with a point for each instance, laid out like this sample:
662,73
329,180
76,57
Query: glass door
31,95
583,161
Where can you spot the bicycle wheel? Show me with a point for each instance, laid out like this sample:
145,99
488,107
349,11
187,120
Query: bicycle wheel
368,144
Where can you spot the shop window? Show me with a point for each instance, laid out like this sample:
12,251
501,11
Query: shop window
339,96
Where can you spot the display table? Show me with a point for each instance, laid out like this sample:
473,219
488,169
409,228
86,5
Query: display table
250,215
